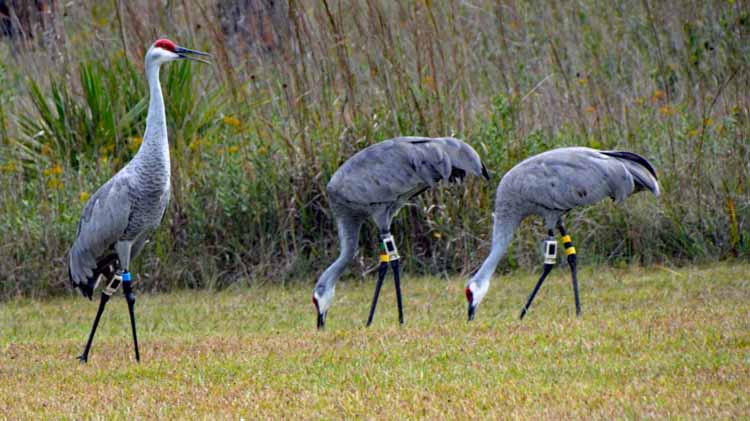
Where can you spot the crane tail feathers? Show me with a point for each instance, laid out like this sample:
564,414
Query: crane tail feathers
644,174
485,173
105,267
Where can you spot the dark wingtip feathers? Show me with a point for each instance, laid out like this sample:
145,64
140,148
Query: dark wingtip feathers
104,267
630,156
485,173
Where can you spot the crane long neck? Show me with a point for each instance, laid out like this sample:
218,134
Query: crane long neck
348,237
155,145
502,233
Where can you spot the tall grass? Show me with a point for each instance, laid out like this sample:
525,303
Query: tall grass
256,136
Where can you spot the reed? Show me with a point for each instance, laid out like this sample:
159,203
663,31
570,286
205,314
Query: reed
256,136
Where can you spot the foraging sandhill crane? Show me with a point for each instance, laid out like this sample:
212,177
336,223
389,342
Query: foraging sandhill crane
549,185
119,217
377,182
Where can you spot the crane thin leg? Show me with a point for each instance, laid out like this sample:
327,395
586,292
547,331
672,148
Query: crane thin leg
573,272
397,280
382,270
570,251
545,271
127,288
102,303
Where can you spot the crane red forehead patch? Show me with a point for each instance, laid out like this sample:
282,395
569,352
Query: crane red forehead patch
165,44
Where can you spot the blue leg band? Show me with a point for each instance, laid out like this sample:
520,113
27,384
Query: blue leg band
126,277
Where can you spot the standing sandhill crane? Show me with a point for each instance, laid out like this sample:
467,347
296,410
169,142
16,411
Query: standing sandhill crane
377,182
119,217
549,185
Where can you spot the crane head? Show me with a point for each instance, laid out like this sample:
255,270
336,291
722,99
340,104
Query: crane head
164,50
474,294
322,300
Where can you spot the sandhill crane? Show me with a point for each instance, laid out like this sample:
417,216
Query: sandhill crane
118,218
376,182
549,185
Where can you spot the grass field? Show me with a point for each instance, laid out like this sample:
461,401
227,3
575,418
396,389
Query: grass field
651,342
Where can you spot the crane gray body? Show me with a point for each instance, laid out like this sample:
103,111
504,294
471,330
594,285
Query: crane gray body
554,182
377,182
125,210
120,215
549,185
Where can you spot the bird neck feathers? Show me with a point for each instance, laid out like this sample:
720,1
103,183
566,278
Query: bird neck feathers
502,234
155,145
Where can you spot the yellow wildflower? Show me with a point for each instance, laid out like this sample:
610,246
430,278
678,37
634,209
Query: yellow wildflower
233,149
693,132
54,183
84,196
428,81
9,167
437,234
46,149
134,143
56,170
657,95
707,122
666,110
231,121
194,144
262,151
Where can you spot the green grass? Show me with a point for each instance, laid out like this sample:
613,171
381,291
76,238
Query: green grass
651,342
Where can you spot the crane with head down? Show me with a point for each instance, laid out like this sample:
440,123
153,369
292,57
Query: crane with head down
376,183
119,217
549,185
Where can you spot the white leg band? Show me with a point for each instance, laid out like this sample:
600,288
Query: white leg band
550,252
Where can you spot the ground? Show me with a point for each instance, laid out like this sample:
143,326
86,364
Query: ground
651,342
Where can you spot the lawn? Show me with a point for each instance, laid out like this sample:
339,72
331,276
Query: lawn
651,342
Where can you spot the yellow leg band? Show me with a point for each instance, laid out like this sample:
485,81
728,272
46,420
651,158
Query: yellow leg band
570,250
384,258
567,239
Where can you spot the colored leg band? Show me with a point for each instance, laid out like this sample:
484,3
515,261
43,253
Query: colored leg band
568,245
384,258
113,285
126,277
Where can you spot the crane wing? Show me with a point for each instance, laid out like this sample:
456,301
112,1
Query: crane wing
389,171
102,224
562,179
398,169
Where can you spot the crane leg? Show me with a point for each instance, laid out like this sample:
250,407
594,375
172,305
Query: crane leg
570,251
108,291
382,270
127,288
397,280
550,254
545,271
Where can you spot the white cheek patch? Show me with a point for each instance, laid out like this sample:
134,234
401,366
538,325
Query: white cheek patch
324,301
480,291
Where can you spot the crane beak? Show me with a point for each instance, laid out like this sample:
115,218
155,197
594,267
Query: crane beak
470,299
322,320
321,316
190,54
